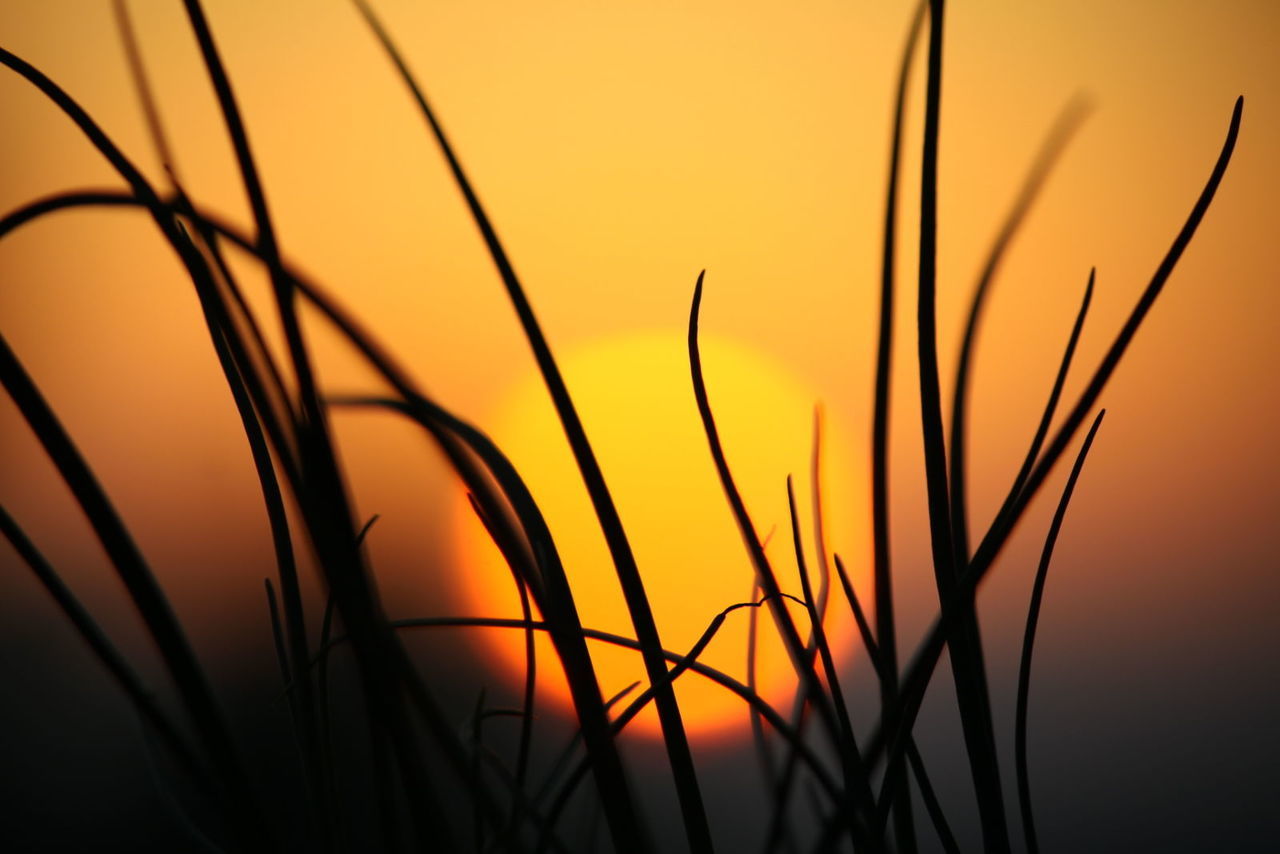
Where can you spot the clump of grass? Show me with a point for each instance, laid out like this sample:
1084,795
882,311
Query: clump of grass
423,766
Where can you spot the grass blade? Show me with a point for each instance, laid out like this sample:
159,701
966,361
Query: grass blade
1029,639
926,657
849,755
1051,406
153,717
556,600
637,705
770,715
767,766
558,605
768,580
162,624
1084,404
625,835
530,653
142,85
1064,128
797,650
932,807
277,634
354,597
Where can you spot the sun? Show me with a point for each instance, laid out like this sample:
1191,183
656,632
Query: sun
635,397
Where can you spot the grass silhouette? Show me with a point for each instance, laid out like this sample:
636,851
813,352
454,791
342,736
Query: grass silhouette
423,766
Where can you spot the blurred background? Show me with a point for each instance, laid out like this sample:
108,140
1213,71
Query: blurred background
620,148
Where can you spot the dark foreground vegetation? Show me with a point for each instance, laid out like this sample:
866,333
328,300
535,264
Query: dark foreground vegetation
434,787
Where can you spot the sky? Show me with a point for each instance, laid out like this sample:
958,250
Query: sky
621,148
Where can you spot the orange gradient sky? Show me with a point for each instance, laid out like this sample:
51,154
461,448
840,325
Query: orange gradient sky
620,148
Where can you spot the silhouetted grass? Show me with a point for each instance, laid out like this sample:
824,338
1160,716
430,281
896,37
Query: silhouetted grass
437,785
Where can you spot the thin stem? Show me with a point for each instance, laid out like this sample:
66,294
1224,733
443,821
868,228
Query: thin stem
1029,639
627,834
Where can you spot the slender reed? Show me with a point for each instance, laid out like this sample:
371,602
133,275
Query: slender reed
626,832
1029,639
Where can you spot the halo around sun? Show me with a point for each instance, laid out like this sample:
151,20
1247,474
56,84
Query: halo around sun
635,397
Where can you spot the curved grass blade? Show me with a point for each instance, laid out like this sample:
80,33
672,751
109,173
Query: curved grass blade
556,601
892,740
530,653
1064,128
558,607
929,797
636,706
148,598
561,764
926,657
819,521
768,712
325,497
1051,406
1071,424
801,661
882,574
886,631
625,834
1029,639
781,784
142,85
277,634
768,580
153,717
247,817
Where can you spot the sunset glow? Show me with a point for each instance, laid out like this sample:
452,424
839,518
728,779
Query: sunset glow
611,151
636,400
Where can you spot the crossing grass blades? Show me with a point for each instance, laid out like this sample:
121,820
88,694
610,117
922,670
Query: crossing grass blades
860,778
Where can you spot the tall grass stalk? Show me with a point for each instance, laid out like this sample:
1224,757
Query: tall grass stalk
423,764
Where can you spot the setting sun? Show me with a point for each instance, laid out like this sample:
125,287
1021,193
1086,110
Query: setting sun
635,397
276,272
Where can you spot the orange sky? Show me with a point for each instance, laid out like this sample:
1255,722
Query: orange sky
620,148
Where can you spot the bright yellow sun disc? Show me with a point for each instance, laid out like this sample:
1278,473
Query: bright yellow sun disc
635,397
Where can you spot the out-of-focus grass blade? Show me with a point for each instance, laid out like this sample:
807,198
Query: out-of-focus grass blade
398,379
996,537
91,633
530,654
1064,128
767,712
926,657
277,634
145,592
565,756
